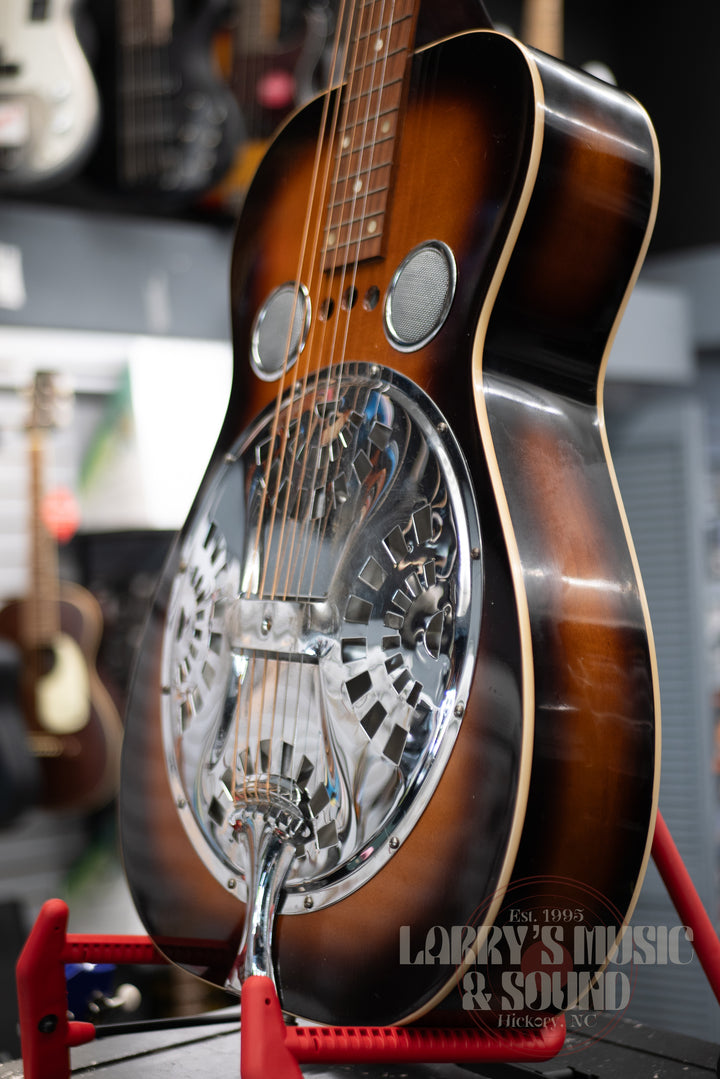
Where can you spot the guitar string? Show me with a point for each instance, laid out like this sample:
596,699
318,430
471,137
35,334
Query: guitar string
138,134
248,37
374,59
344,278
328,139
141,136
349,272
275,423
249,25
169,94
340,199
317,276
125,101
372,82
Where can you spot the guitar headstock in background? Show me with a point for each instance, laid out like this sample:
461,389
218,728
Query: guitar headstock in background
50,401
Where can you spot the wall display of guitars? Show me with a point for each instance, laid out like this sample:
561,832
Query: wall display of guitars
49,105
72,725
543,28
397,693
276,56
171,124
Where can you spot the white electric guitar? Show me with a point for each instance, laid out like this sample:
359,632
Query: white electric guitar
49,103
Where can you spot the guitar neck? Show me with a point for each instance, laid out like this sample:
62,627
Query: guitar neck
41,612
543,26
145,22
377,78
258,24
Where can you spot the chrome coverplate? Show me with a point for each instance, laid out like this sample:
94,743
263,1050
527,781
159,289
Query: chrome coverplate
322,631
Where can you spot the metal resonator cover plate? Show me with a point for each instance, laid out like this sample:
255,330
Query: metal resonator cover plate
322,630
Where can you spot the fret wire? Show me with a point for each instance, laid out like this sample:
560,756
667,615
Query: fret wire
394,51
376,211
373,96
370,193
384,26
388,136
358,218
387,102
347,152
403,12
374,90
367,171
348,223
357,241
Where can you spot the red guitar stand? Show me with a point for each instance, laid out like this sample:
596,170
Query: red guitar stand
271,1050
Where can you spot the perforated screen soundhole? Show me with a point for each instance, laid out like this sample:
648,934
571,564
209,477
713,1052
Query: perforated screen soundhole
420,295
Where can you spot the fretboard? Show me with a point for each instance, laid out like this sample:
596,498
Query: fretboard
142,24
258,26
378,70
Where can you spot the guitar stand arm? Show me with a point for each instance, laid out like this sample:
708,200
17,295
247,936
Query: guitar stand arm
46,1032
267,1046
270,1048
687,903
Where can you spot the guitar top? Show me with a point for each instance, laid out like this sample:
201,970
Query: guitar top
49,104
397,690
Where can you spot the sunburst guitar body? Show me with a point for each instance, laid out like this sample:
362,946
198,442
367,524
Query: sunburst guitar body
397,686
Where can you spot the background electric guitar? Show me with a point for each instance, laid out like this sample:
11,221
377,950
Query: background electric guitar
275,61
72,725
170,122
543,28
49,105
398,677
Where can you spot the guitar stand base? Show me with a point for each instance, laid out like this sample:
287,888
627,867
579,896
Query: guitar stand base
267,1046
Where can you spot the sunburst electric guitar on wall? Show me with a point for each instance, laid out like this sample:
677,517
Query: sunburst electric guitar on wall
72,724
397,685
270,73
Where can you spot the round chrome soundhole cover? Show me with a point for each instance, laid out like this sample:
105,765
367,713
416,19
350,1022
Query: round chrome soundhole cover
280,330
322,631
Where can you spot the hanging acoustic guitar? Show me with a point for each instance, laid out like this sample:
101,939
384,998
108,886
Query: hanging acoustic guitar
397,683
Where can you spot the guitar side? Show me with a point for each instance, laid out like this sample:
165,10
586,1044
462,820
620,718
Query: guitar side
543,756
80,769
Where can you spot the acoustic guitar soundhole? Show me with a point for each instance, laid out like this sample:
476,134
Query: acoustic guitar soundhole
322,631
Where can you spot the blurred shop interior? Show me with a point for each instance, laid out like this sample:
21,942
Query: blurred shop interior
116,281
